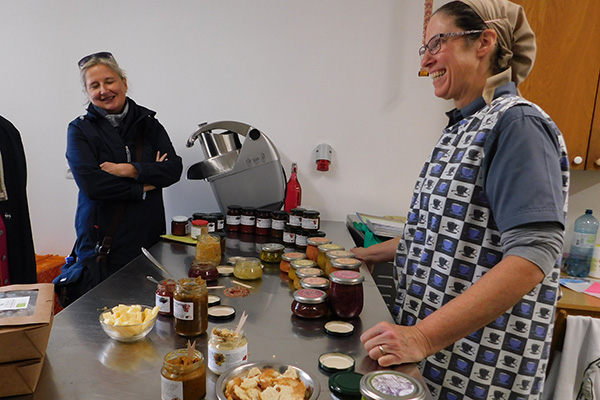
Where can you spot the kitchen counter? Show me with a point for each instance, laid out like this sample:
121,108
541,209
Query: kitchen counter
82,362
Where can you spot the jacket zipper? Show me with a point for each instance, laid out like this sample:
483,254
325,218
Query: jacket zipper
128,154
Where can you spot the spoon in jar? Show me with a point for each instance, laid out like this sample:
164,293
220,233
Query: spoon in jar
151,279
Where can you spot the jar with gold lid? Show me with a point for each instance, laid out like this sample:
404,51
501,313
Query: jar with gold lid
297,264
337,254
183,377
312,246
323,249
190,307
302,273
315,282
287,258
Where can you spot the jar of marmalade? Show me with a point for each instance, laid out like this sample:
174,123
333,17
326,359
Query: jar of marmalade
278,221
323,249
190,307
312,244
234,218
183,378
296,216
248,220
164,296
287,258
208,249
311,220
297,264
310,303
199,227
248,268
263,222
346,295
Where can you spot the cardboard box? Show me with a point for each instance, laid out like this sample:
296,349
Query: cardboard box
26,315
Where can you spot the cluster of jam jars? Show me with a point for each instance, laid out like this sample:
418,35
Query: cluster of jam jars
196,225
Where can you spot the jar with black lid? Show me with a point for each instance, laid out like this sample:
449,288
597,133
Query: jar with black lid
248,221
234,218
198,215
289,235
212,222
311,220
296,216
278,220
263,222
301,238
220,221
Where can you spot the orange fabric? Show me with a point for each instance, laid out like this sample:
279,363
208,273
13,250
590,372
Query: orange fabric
48,267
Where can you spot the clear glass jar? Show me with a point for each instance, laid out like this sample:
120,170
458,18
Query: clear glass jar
287,258
302,273
179,225
234,218
347,261
164,296
346,296
226,349
199,227
315,282
248,221
323,249
181,379
208,249
278,220
190,307
207,270
271,252
311,220
312,246
296,217
297,264
248,268
310,303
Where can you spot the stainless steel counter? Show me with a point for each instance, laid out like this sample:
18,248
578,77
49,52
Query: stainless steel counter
83,363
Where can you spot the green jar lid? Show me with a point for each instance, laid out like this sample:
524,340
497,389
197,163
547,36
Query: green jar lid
346,384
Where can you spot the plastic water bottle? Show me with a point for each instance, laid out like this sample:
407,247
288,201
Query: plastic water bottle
582,247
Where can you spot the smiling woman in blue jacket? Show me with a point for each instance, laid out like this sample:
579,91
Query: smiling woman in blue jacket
121,158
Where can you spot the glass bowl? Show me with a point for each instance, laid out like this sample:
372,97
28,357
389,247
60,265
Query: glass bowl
131,332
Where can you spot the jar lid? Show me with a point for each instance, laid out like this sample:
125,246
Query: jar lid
292,256
340,254
198,215
316,241
279,213
329,246
307,272
336,362
311,213
346,384
234,207
264,211
314,282
339,328
346,277
218,215
297,210
213,300
310,296
346,263
225,270
199,222
296,264
272,247
233,260
180,218
210,218
248,261
391,385
221,313
252,209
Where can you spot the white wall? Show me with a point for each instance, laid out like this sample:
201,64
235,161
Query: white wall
304,72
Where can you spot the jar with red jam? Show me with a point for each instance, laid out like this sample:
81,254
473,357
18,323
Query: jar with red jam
278,220
233,218
212,223
301,238
289,235
296,217
207,270
164,296
263,222
310,303
346,297
342,263
220,221
179,225
287,258
311,220
312,246
248,220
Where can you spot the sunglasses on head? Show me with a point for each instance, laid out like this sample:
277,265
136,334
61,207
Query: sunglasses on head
102,54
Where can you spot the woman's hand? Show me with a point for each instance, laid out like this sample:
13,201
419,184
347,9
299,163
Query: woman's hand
391,344
122,170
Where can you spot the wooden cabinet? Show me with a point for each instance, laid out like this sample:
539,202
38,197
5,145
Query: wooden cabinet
566,74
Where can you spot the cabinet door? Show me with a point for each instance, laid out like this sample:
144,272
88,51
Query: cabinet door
564,79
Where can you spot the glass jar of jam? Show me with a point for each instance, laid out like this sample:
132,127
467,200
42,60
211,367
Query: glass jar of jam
278,220
296,217
323,249
234,218
311,220
312,244
336,264
207,270
198,215
302,273
212,223
301,238
334,255
248,268
315,282
179,225
289,235
346,293
226,348
263,222
208,249
190,307
199,227
248,220
297,264
391,385
164,296
220,221
310,303
271,252
287,258
183,378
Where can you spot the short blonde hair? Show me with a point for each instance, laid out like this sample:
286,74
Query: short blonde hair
110,62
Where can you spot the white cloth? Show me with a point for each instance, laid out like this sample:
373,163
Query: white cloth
579,369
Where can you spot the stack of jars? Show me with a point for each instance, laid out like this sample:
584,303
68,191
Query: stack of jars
259,221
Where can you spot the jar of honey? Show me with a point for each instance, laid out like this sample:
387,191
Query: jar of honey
190,307
287,258
337,254
233,218
271,252
164,296
297,264
346,295
312,246
248,268
310,303
208,249
323,249
183,377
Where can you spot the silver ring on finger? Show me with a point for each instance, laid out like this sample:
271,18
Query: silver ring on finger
383,352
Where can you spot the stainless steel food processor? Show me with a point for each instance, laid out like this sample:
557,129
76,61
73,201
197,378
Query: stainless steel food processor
245,174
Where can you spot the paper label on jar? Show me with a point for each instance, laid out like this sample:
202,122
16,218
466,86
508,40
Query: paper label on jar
163,303
183,310
310,223
278,225
221,360
220,224
263,222
233,219
289,237
301,240
248,220
170,390
295,220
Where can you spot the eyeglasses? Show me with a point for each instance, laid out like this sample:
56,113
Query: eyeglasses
102,54
435,43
